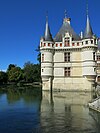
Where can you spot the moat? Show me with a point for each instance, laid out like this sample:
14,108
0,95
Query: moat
31,111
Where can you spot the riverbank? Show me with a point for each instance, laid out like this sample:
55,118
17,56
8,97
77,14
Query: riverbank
19,86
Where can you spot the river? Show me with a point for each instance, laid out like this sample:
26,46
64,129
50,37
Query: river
29,110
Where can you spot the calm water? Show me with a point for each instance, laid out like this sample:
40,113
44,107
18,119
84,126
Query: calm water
30,111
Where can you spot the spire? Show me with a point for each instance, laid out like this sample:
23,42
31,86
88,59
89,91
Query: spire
47,36
65,14
88,31
87,11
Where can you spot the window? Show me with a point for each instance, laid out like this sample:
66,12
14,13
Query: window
78,44
91,41
94,41
49,44
42,70
67,71
94,56
86,42
56,44
67,43
44,44
60,44
94,69
41,44
67,57
73,44
42,57
98,65
98,57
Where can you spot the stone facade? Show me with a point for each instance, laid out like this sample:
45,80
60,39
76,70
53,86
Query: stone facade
68,62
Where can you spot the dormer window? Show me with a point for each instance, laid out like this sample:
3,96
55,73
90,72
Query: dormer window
67,42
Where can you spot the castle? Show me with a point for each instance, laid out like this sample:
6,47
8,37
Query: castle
69,61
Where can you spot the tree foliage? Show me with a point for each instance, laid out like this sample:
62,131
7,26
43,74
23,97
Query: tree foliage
31,72
10,67
3,77
15,74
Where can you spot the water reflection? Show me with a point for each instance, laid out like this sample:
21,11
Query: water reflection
19,110
27,94
63,112
28,110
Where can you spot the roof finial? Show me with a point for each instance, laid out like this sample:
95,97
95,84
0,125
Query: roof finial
88,31
46,16
87,8
65,14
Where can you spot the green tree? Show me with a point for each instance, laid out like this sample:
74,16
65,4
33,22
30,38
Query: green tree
28,72
31,72
3,77
15,74
10,67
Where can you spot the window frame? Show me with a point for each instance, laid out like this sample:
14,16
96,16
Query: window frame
67,71
67,57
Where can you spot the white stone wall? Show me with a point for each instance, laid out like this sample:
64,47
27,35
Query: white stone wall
59,57
83,67
88,65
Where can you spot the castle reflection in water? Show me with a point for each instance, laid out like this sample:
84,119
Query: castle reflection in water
68,112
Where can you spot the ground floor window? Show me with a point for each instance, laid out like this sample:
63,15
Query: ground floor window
67,71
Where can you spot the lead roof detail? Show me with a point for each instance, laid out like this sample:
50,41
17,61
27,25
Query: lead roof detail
66,28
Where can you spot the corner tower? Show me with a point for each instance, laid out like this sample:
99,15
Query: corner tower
89,53
46,48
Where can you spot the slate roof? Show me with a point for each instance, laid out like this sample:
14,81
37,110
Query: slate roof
88,31
47,36
66,28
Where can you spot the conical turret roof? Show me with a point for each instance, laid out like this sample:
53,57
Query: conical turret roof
47,35
88,31
64,29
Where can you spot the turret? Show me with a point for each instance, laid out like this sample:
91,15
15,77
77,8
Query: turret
89,52
46,48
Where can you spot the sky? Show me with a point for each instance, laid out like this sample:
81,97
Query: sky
22,23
